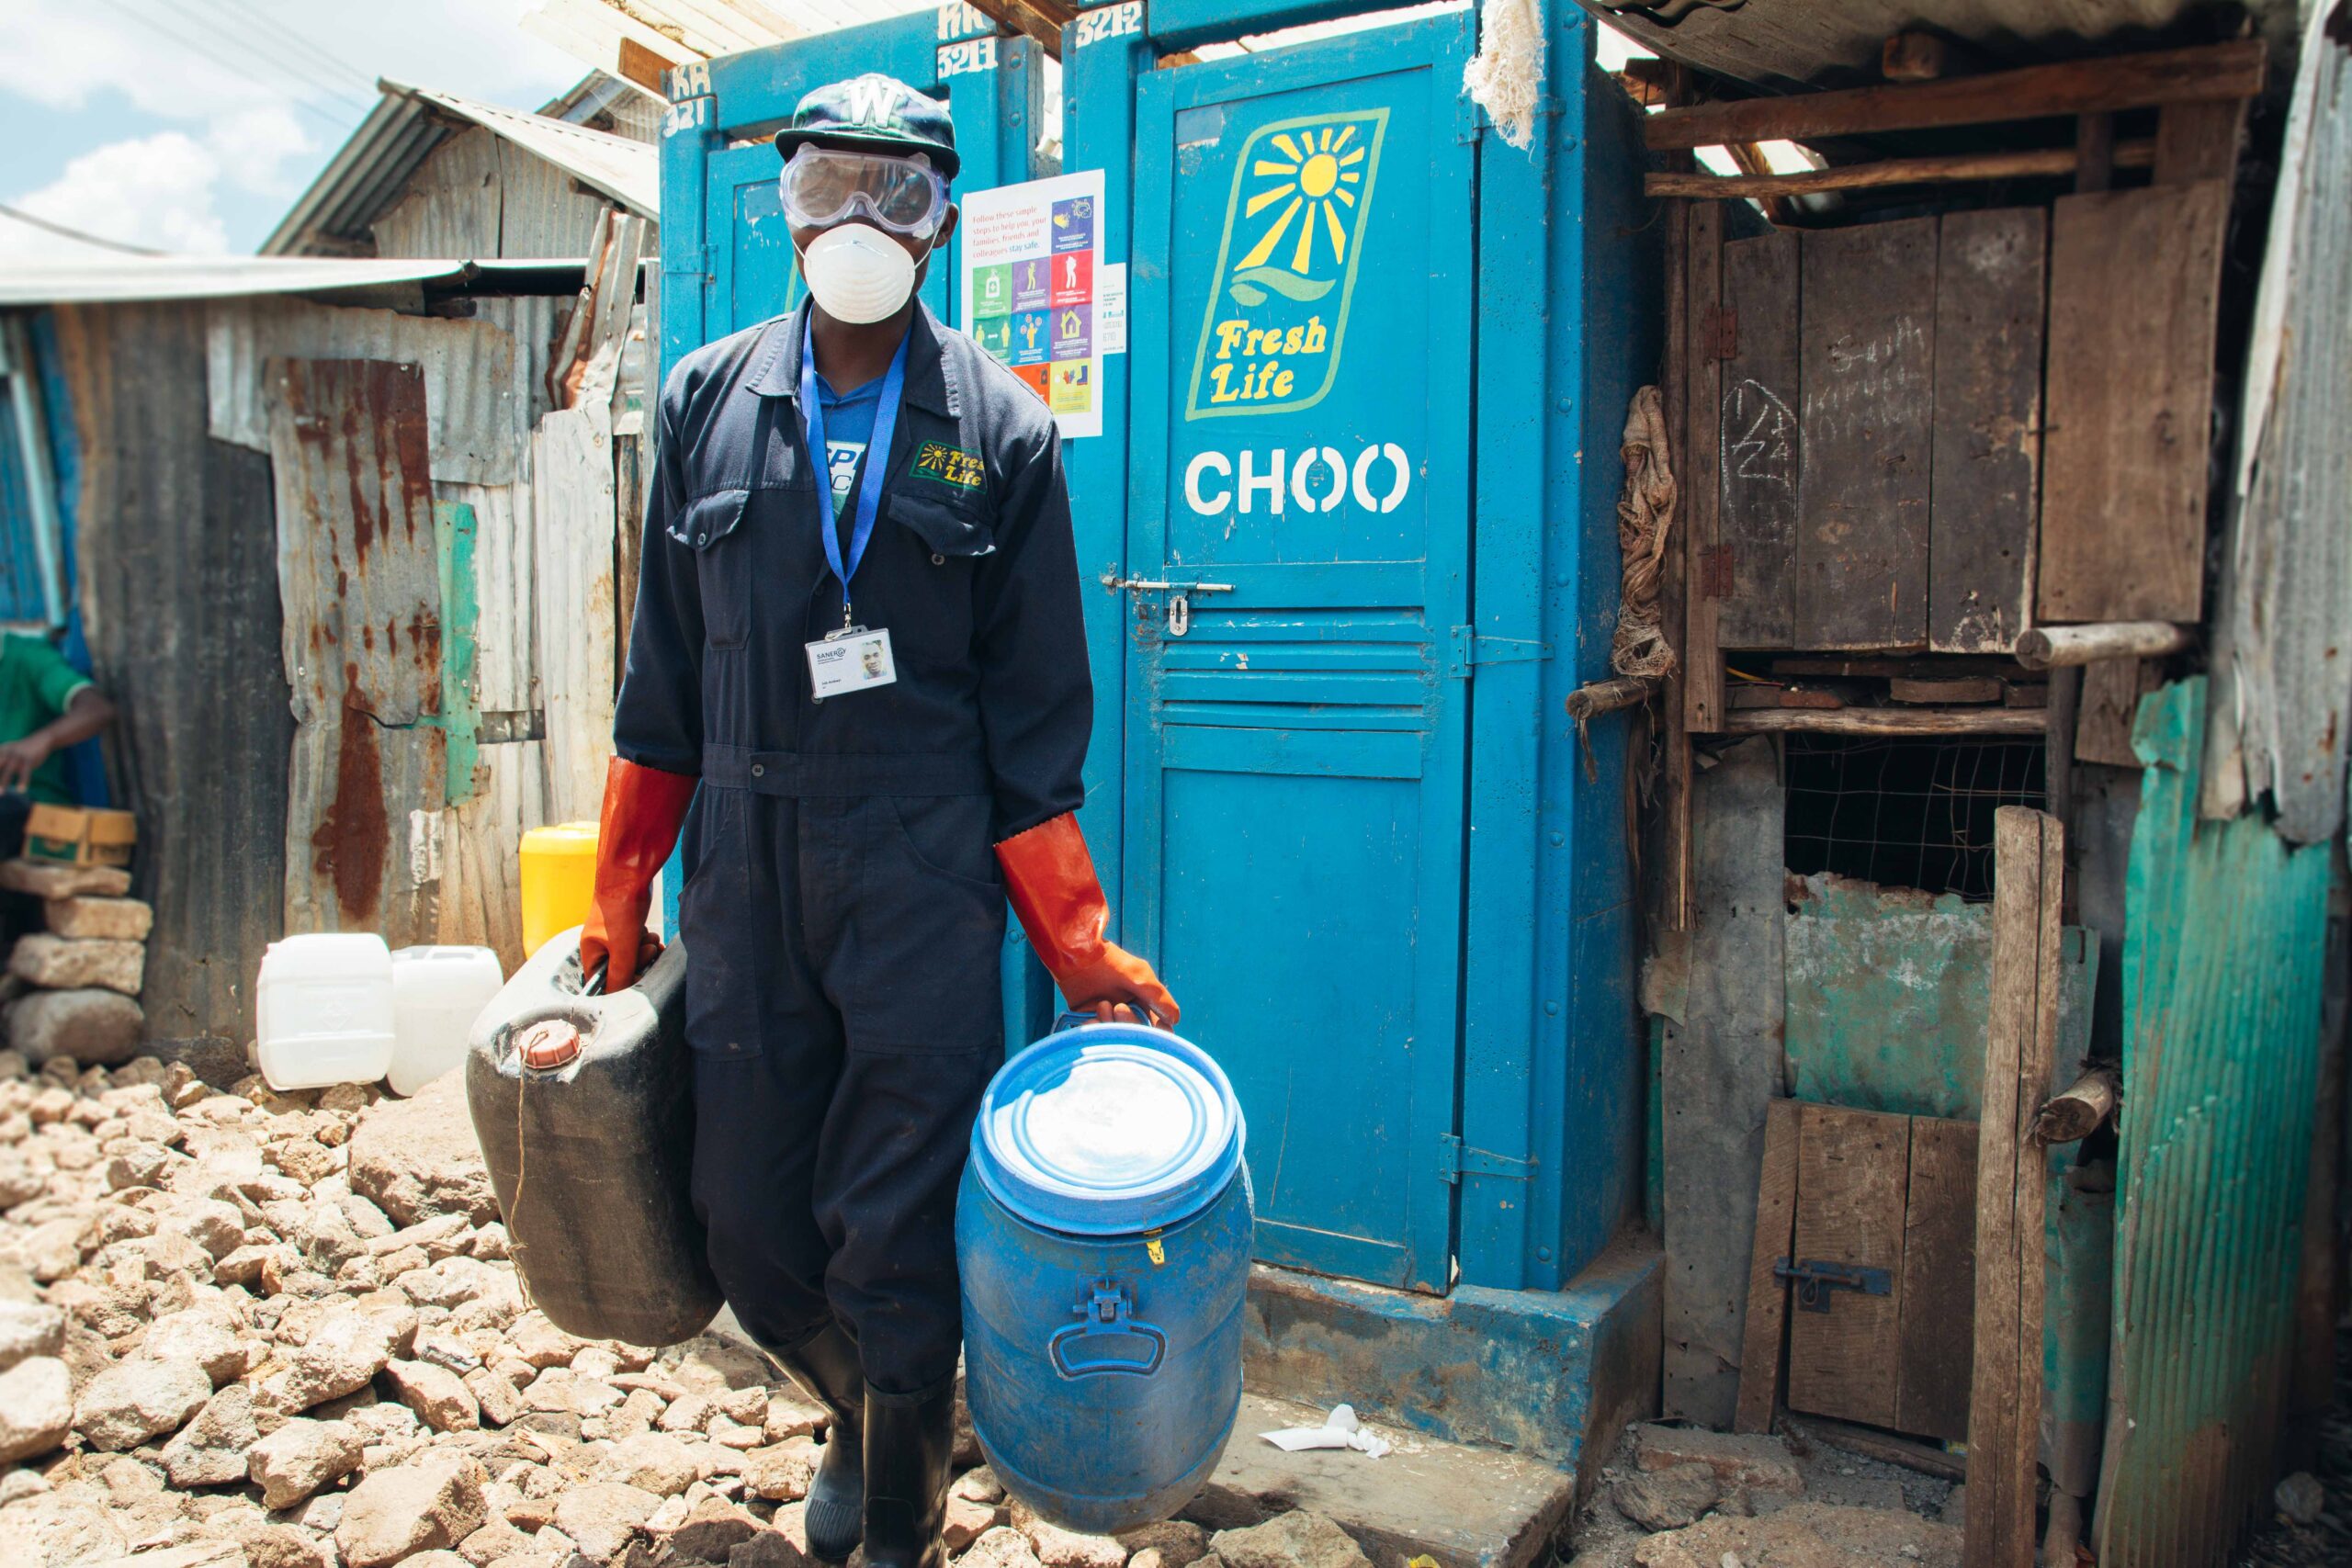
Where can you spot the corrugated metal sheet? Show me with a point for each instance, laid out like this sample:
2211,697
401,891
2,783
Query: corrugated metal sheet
2289,602
544,212
572,519
628,171
178,548
603,101
481,832
21,601
366,178
1836,43
359,575
451,206
2226,934
478,378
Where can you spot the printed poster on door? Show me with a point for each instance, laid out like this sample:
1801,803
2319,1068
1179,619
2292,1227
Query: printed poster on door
1034,282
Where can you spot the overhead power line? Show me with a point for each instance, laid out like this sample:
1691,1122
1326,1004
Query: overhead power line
199,45
37,221
301,46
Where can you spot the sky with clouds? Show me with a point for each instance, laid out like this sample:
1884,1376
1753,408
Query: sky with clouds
191,125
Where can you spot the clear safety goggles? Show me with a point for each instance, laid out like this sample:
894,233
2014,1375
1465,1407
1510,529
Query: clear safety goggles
823,185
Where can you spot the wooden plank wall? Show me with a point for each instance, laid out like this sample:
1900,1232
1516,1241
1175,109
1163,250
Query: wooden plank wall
1852,1182
1988,441
1868,411
2133,277
1761,452
178,585
1898,1193
1929,492
1703,666
1939,1282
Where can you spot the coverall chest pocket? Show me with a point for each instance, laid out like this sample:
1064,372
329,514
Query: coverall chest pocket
709,526
952,540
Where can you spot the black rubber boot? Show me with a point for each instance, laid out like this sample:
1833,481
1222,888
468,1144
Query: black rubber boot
910,1442
826,1367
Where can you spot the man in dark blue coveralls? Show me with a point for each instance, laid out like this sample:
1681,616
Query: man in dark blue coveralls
858,631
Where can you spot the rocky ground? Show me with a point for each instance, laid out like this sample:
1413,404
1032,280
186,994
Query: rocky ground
2310,1523
1680,1498
283,1331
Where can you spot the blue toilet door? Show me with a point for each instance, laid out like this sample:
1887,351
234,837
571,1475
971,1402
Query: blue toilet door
1297,559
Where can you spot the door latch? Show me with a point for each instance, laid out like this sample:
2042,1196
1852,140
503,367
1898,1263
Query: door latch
1180,607
1814,1278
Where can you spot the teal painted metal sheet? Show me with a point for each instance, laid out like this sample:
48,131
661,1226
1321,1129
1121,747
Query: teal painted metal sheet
1888,993
2226,934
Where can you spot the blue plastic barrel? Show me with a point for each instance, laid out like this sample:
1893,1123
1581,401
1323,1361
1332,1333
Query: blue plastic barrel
1103,1235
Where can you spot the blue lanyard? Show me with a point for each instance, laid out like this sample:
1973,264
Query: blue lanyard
873,472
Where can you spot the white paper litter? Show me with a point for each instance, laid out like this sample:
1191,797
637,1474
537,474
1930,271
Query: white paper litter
1341,1430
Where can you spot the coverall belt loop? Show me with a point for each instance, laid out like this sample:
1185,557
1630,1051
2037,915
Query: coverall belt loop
800,775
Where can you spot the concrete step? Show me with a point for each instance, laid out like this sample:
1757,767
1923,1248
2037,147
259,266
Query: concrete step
1465,1508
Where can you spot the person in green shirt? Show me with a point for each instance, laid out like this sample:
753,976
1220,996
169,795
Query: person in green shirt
46,705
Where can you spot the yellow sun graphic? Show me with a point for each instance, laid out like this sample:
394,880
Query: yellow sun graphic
1319,182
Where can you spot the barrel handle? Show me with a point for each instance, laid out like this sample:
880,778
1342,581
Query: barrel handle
1076,1019
1108,1312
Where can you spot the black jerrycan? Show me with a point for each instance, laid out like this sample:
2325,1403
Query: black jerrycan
581,1103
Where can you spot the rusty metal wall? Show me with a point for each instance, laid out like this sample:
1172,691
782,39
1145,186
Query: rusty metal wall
359,576
2226,935
479,402
179,597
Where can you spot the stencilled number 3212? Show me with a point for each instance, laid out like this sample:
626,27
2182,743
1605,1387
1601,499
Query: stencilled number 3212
1110,21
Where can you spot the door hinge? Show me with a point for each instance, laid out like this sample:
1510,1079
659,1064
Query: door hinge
1470,651
1723,333
1814,1278
1454,1157
1716,572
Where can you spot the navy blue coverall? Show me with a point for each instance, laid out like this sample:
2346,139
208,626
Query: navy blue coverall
843,911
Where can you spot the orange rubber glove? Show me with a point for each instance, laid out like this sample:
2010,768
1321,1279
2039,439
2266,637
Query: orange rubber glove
644,807
1051,881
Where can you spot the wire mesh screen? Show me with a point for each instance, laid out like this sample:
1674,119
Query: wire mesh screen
1905,813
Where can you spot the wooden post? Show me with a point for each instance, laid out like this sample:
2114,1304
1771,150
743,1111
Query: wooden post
1704,566
2005,1397
1672,585
1768,1298
2056,647
1598,697
2074,1112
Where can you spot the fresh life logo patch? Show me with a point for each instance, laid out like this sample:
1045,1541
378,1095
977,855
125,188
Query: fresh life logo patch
1286,265
948,464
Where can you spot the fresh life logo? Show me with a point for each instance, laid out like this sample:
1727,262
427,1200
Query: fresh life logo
1286,265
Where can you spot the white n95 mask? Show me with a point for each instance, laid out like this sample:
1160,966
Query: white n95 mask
858,273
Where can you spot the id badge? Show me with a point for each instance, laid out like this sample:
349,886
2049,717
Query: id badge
851,660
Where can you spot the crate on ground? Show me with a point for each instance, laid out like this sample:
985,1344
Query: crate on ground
80,835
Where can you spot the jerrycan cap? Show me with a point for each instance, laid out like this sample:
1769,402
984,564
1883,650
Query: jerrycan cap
1108,1129
549,1043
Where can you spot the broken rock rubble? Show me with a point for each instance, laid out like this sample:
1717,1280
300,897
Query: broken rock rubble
1680,1497
253,1330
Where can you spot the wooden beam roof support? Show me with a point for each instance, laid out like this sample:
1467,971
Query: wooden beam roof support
2136,154
1041,19
2216,73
